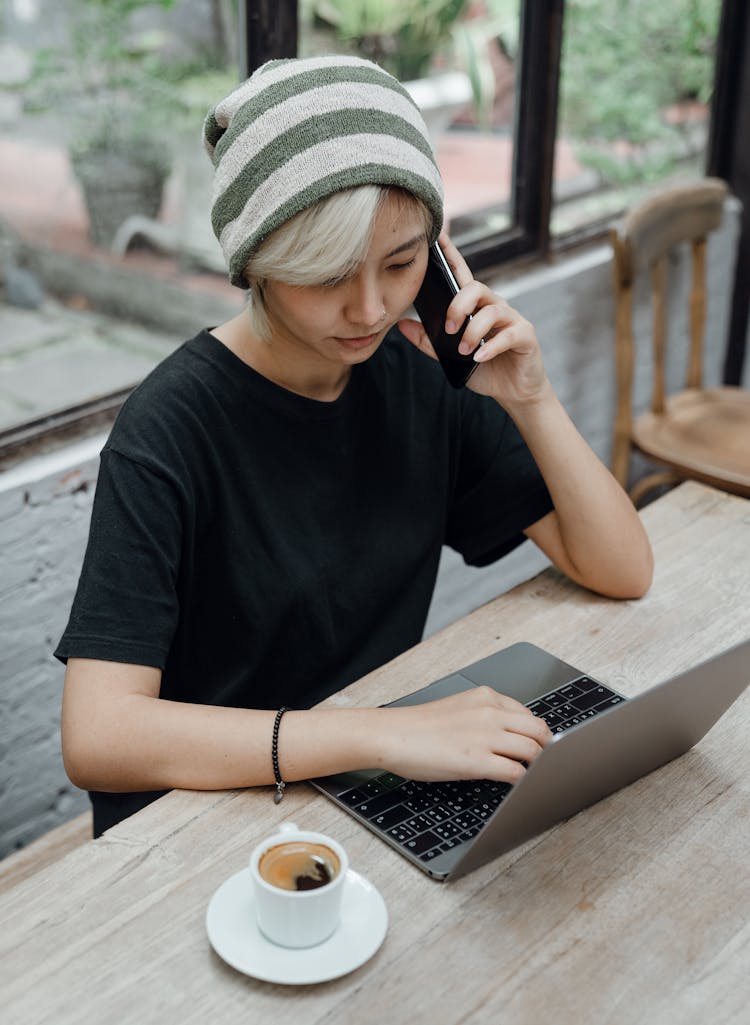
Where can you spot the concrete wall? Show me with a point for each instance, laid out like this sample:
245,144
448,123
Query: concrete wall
45,506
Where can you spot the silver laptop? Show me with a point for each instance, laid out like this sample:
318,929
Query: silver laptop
602,742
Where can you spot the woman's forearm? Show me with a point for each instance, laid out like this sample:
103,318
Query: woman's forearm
599,529
142,742
119,735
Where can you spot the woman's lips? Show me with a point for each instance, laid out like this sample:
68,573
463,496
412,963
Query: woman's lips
361,342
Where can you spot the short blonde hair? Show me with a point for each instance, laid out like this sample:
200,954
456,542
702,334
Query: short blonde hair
324,243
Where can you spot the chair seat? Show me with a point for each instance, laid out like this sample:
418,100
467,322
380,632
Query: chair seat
704,434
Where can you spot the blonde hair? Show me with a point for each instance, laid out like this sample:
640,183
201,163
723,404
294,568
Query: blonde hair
325,243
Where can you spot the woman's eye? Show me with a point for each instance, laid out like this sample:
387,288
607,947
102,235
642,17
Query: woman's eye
403,266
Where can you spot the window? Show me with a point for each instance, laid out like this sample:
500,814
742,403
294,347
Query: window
590,100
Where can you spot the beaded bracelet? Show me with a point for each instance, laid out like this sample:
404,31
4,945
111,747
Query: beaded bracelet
280,784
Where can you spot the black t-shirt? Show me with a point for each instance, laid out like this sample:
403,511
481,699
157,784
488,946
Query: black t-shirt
266,549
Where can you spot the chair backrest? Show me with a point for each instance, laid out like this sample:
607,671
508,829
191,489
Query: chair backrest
643,239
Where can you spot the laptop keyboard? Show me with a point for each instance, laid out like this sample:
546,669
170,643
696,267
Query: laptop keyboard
427,819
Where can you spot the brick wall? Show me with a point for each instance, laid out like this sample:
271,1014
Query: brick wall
45,505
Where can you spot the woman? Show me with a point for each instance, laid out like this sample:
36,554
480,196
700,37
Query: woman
273,499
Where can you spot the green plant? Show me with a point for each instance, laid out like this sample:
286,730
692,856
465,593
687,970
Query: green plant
625,62
107,84
402,35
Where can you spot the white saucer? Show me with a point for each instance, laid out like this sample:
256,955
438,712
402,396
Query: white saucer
234,934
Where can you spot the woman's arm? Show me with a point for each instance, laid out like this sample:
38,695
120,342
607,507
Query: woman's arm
119,735
594,534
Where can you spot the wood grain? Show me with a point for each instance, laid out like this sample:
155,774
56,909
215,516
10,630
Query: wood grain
634,910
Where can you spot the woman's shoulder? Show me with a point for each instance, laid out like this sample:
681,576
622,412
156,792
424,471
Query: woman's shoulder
177,402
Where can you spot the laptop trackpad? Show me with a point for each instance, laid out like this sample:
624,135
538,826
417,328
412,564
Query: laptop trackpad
453,684
522,671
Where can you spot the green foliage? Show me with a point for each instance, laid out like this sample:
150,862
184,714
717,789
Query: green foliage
108,84
624,63
402,35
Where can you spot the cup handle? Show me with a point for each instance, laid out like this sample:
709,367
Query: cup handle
288,827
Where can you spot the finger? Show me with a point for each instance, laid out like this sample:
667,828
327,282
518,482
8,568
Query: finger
531,727
510,704
512,338
504,770
456,262
490,322
472,297
517,746
485,694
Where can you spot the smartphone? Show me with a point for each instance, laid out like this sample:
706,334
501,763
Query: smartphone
432,301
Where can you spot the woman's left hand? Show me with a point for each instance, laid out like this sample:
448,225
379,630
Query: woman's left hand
504,343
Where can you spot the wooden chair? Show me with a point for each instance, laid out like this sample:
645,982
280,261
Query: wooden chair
698,433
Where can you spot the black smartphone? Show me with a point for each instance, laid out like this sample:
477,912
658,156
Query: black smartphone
432,301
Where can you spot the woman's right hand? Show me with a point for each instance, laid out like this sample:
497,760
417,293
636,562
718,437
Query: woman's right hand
477,734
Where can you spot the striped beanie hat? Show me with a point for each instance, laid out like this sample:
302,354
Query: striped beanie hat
300,130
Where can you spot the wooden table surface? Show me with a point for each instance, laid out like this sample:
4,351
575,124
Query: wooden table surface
635,910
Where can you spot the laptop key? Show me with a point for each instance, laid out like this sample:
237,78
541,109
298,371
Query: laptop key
419,803
353,797
586,684
376,805
447,830
420,823
484,810
570,690
420,844
429,855
391,780
554,699
448,845
610,702
401,833
469,834
466,820
457,804
592,698
439,813
393,817
498,791
373,787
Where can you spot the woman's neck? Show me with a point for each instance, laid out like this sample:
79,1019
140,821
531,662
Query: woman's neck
300,375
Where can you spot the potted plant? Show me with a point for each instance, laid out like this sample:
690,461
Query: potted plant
117,109
401,35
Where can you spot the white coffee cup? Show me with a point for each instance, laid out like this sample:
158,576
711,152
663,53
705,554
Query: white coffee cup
298,918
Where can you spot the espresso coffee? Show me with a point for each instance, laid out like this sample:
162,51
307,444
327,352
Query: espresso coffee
299,865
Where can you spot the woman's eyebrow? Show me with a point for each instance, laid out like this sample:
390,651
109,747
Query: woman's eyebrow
405,245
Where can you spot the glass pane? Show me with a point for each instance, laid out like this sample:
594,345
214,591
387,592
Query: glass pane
634,101
105,192
459,60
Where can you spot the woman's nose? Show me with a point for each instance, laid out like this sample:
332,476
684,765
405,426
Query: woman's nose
365,303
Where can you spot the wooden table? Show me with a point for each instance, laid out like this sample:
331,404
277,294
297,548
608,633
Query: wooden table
636,910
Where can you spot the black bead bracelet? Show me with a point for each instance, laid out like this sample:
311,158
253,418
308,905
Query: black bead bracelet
280,784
